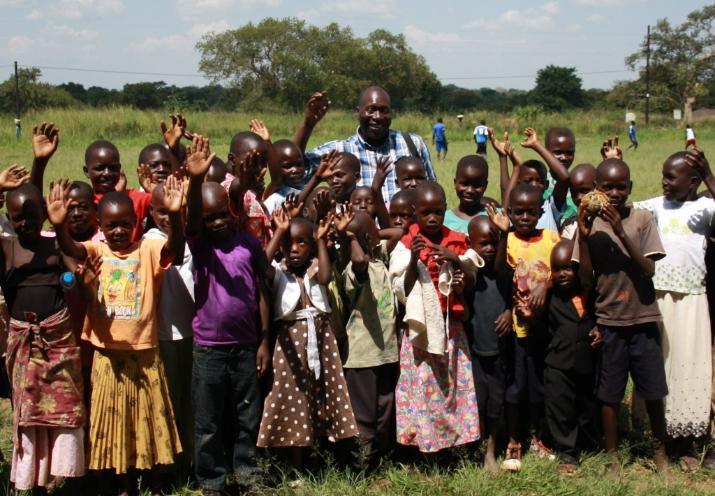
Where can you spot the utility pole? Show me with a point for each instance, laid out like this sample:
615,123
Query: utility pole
18,125
647,77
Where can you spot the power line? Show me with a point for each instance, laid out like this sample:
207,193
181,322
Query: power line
111,71
519,76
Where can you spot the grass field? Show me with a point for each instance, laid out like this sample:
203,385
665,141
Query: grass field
130,130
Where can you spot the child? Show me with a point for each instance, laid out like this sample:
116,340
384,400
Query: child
526,250
231,342
43,357
217,172
489,325
684,223
345,177
104,170
410,172
582,180
371,365
433,352
309,398
569,376
287,173
533,172
402,208
632,136
623,245
82,213
470,183
363,200
160,161
175,312
132,422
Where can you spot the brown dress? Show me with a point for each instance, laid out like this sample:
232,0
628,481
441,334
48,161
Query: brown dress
301,408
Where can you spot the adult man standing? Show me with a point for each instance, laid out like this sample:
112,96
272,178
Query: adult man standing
481,133
373,140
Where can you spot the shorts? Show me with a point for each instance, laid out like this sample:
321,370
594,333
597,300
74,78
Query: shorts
635,349
490,383
691,142
527,382
440,146
482,148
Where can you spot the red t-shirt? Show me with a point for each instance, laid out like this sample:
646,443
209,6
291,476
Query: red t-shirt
141,201
452,240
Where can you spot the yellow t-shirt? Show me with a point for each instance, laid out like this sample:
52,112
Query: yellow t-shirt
530,259
122,315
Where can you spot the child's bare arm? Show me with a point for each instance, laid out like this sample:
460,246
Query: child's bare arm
381,171
645,265
502,222
315,110
585,267
557,168
695,158
45,140
281,222
57,206
173,199
514,179
324,268
418,244
198,161
263,354
324,171
502,151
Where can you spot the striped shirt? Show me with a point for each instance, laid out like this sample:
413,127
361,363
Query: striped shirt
394,147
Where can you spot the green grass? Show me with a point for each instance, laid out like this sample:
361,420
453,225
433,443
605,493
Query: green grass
131,130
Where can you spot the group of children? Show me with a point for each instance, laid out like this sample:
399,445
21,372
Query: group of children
209,314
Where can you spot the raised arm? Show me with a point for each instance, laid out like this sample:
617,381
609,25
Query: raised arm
383,168
173,134
45,140
325,272
695,158
502,150
57,203
514,179
502,222
316,108
282,224
198,161
324,171
557,169
173,200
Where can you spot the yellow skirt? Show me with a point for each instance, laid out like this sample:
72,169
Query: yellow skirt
131,420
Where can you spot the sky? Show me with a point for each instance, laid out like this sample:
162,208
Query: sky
470,43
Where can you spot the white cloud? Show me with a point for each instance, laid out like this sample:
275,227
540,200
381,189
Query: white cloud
82,34
33,15
198,30
386,9
12,3
600,3
531,19
417,36
172,42
595,18
76,9
19,44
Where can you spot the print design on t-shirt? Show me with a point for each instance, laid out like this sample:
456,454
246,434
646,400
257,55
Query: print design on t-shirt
119,289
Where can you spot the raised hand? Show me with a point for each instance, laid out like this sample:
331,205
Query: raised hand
45,140
381,171
58,201
328,162
173,194
324,226
500,147
173,134
343,219
13,176
281,219
121,185
199,156
530,138
610,149
292,206
144,175
695,158
498,218
323,203
316,108
259,127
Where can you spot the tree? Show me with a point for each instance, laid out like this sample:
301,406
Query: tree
682,58
557,88
33,93
147,95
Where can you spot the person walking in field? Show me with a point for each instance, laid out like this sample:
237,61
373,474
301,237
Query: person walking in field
632,136
439,139
481,133
690,137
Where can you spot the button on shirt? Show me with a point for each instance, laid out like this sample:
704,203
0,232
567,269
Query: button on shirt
394,147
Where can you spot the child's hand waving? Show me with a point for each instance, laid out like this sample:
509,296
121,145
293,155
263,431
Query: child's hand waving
58,201
531,139
173,194
381,171
173,134
328,162
498,218
45,140
324,226
144,175
292,206
199,156
281,220
343,219
13,177
259,127
501,148
610,149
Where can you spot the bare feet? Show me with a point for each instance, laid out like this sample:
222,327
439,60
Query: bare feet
613,470
567,469
661,463
490,464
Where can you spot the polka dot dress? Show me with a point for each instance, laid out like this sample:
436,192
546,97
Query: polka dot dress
300,407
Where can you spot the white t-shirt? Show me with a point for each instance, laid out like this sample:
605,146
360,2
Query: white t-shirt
176,297
689,133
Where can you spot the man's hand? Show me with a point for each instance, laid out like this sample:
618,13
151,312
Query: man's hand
13,177
611,215
503,325
595,333
173,134
258,126
531,139
58,201
316,108
45,140
199,156
381,171
610,149
292,206
263,358
498,218
144,175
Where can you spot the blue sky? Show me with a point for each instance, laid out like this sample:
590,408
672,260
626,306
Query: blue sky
471,43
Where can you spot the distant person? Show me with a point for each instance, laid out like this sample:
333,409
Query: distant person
481,133
690,137
439,139
460,119
18,128
632,136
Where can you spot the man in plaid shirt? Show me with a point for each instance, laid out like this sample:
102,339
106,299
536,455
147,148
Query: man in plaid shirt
373,140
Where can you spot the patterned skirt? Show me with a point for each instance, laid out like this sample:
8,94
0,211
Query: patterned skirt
301,408
435,395
131,422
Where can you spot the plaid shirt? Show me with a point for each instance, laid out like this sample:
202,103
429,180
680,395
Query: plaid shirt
394,147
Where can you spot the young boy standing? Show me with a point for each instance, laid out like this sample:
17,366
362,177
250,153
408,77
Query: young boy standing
623,245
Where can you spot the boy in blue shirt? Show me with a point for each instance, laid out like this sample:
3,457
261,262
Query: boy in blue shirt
481,133
439,139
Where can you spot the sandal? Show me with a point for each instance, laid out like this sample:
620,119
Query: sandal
567,469
512,460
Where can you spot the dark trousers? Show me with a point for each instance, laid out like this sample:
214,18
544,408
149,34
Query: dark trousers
482,148
227,412
527,383
372,395
571,411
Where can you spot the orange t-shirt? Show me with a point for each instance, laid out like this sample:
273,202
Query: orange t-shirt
122,315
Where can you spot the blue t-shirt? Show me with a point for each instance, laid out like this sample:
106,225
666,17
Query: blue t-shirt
632,132
480,133
438,130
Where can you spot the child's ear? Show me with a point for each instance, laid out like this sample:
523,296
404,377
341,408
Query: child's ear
86,172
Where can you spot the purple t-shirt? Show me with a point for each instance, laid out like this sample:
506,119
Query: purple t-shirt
225,290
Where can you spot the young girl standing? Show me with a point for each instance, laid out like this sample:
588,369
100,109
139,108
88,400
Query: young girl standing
435,397
684,224
309,398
